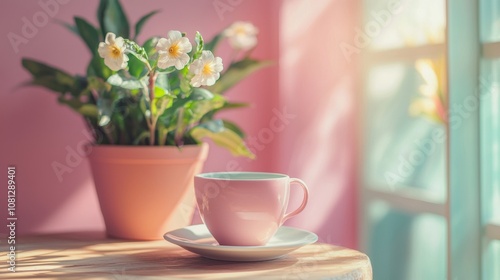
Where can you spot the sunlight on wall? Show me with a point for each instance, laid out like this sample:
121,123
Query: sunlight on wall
325,147
317,85
303,23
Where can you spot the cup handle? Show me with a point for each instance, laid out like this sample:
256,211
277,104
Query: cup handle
304,201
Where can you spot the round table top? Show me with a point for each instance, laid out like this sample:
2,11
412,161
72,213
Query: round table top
93,256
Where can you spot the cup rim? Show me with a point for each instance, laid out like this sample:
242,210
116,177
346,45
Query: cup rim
272,176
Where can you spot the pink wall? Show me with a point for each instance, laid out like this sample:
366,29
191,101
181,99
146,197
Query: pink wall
36,131
317,84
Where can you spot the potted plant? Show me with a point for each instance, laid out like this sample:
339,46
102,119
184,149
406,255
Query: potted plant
149,107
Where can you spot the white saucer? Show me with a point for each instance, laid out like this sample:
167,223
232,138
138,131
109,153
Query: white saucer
198,239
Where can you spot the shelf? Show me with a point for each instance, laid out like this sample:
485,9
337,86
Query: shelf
409,199
493,231
408,54
491,50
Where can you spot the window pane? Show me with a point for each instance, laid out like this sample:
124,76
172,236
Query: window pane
492,261
401,149
490,136
406,246
411,23
490,139
490,20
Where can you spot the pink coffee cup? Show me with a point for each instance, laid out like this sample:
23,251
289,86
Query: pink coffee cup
245,208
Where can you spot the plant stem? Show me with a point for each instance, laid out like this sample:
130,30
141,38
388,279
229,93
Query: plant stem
108,133
152,126
95,95
180,129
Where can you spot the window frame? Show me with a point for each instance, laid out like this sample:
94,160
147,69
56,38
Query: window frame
469,230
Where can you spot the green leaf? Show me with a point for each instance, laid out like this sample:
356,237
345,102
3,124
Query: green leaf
98,84
150,44
210,46
237,72
120,80
162,101
214,126
223,137
39,69
97,68
163,81
142,136
73,103
227,105
142,21
121,132
51,83
100,15
160,104
68,26
187,105
79,87
136,67
88,33
199,45
160,92
195,110
234,127
201,94
49,77
88,110
115,20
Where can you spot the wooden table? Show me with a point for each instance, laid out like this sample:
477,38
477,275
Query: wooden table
92,256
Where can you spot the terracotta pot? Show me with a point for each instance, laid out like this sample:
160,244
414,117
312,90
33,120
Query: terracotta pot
146,191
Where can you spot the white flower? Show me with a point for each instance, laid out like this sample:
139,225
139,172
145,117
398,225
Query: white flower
428,70
242,35
206,69
173,51
431,102
113,52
